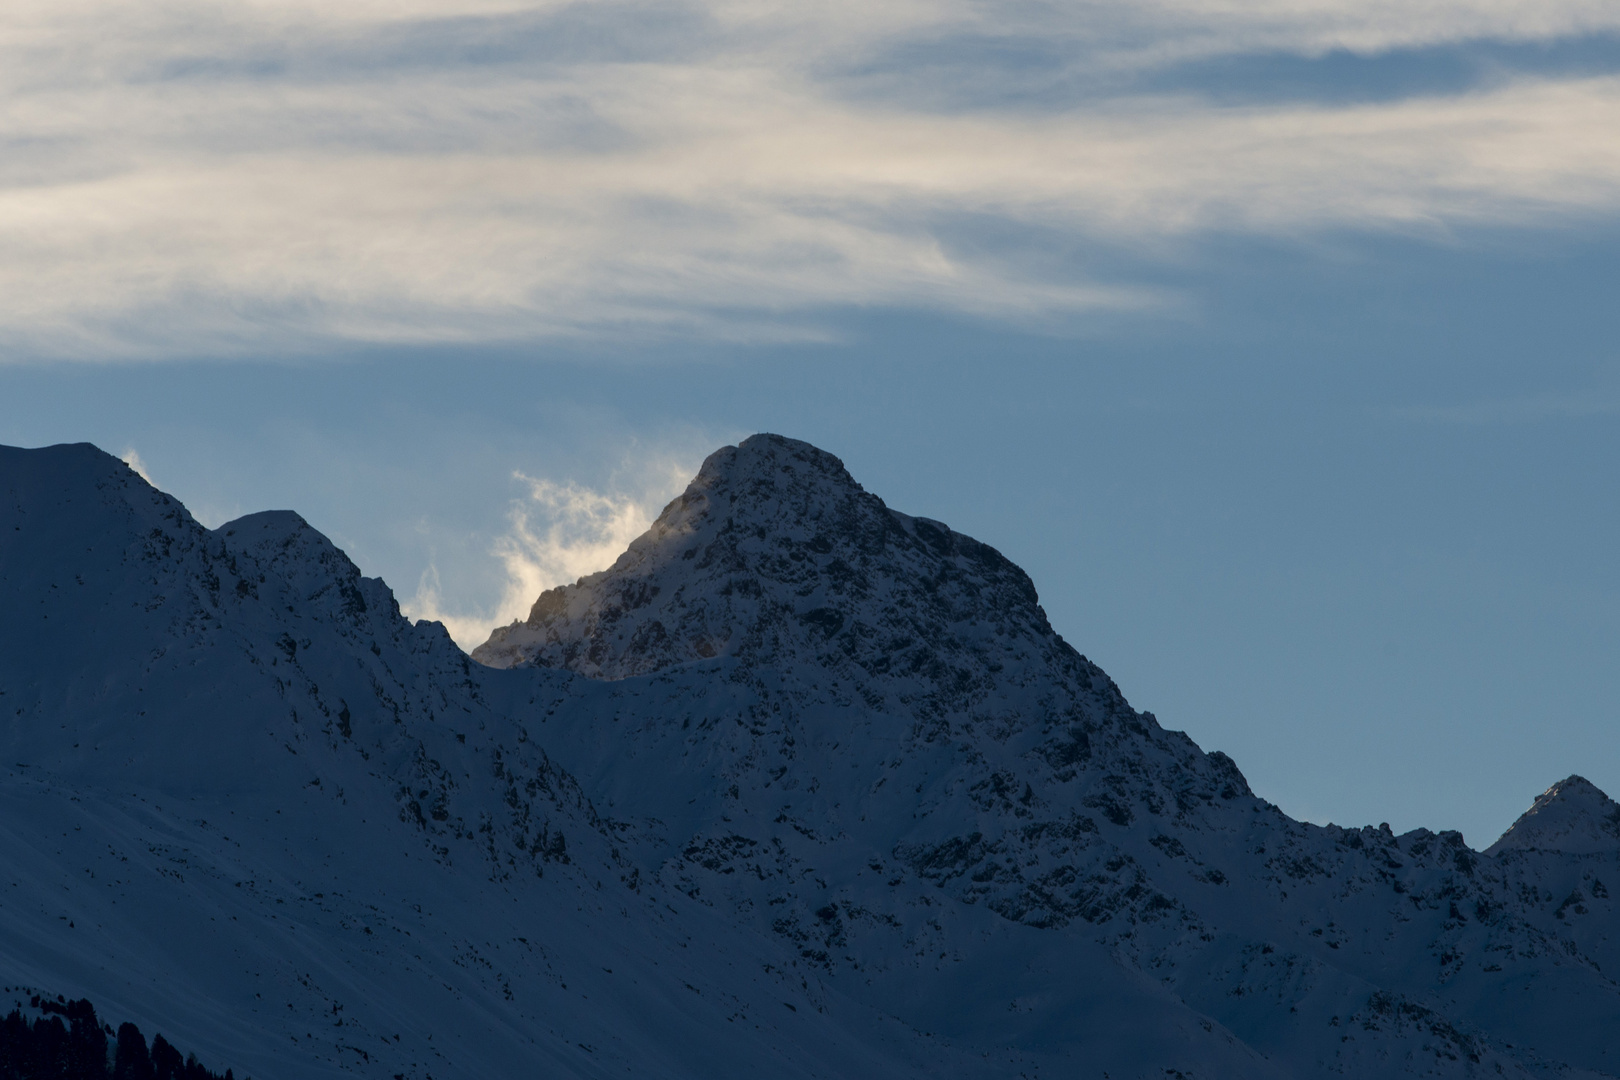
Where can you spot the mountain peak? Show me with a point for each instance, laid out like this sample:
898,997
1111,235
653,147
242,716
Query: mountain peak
1573,816
774,552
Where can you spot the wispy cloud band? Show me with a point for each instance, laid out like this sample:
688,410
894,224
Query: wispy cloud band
176,179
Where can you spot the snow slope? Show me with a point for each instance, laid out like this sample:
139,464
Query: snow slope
800,787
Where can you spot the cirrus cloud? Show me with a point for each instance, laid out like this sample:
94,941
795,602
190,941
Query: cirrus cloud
189,179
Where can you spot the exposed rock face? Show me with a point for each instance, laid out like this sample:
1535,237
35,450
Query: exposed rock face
1572,817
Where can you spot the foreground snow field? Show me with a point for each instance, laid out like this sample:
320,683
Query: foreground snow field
800,786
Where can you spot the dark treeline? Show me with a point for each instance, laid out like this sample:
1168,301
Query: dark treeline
70,1043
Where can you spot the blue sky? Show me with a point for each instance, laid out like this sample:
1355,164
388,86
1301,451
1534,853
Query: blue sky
1275,340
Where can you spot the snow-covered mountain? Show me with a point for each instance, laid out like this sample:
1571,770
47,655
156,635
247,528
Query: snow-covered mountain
1572,817
799,786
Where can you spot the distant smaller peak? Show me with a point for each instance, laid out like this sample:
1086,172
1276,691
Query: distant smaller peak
1574,816
1572,789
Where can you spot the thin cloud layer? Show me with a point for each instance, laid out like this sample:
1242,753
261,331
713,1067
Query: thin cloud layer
184,179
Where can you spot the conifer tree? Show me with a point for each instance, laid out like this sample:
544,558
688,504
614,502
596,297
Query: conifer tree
48,1049
132,1061
167,1064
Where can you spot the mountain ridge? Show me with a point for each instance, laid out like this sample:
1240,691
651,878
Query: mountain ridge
796,857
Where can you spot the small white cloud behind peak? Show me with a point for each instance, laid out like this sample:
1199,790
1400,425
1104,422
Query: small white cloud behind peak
133,460
558,532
